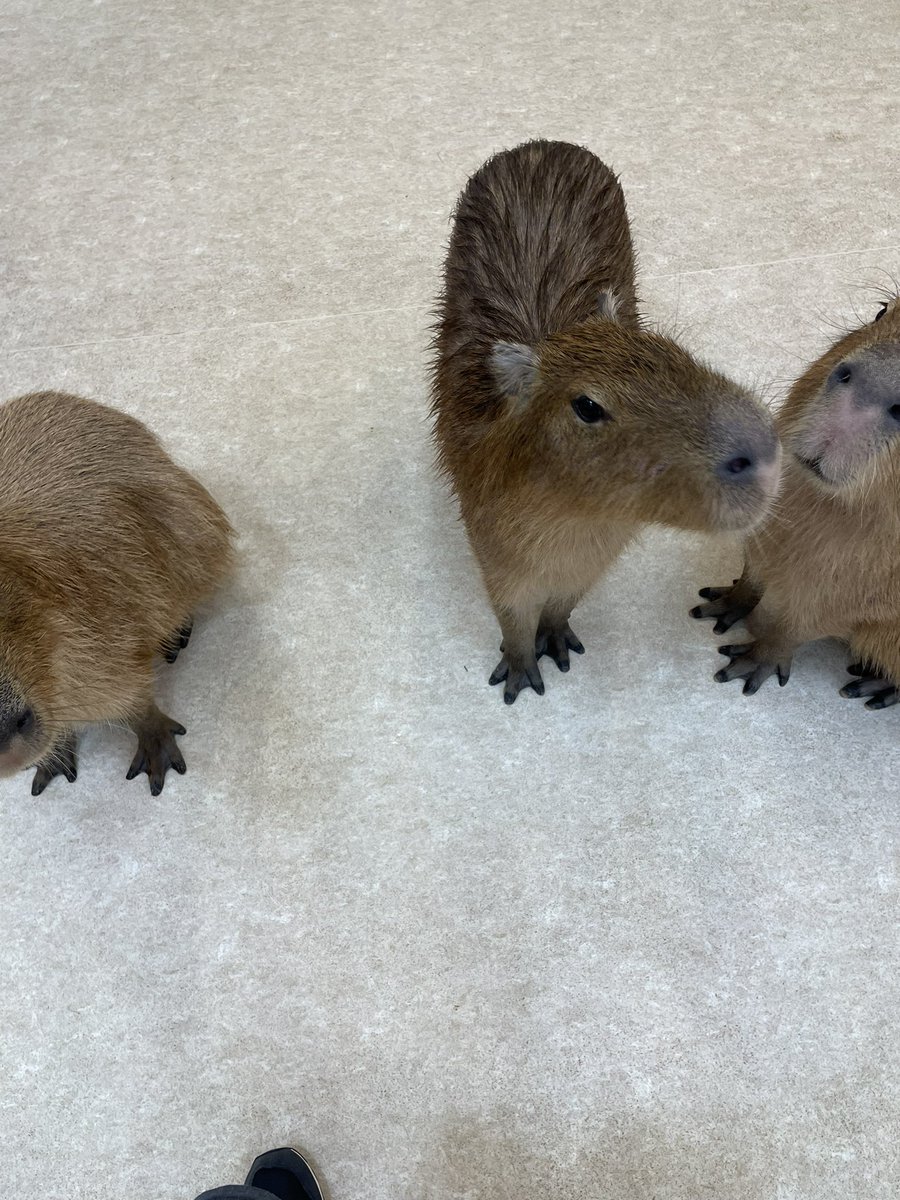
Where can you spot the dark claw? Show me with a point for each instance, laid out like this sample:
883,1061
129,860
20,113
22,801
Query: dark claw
60,761
724,624
715,593
870,682
735,651
556,644
513,687
724,605
885,699
499,673
173,647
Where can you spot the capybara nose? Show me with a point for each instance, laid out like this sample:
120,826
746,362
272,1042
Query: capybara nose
873,378
15,721
747,448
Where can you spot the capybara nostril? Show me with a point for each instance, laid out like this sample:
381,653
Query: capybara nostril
842,373
894,412
738,468
25,722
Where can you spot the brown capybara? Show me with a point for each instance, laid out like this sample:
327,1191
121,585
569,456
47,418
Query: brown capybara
562,423
826,562
106,549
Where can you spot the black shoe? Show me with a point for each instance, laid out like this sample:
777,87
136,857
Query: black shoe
276,1175
286,1174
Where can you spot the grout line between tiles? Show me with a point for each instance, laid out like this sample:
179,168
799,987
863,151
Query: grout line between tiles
775,262
8,352
237,327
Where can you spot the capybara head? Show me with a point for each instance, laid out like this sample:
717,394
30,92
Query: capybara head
841,420
623,421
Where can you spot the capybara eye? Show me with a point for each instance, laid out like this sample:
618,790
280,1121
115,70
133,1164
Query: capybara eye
589,410
882,310
843,374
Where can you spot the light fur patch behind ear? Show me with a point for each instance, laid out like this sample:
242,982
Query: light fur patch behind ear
515,368
608,306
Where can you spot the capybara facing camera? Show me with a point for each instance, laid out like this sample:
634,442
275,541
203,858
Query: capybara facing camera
827,563
563,424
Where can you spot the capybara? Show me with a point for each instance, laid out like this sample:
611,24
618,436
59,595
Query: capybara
563,423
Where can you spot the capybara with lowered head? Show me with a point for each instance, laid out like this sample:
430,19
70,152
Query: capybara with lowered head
106,549
826,562
563,424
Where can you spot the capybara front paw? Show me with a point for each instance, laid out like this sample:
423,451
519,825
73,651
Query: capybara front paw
59,761
752,663
516,678
726,605
556,644
870,683
157,750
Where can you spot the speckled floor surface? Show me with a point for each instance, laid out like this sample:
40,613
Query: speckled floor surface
636,940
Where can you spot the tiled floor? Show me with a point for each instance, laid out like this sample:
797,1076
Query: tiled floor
636,940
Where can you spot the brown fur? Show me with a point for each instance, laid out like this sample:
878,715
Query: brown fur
106,549
539,308
826,563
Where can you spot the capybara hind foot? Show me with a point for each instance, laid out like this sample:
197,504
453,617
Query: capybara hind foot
727,605
870,683
59,761
517,676
754,664
177,642
556,644
157,749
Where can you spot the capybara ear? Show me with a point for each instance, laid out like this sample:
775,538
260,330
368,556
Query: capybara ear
608,306
515,368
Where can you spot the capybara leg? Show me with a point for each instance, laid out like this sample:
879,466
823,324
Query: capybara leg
173,645
769,653
157,749
554,634
60,760
728,605
518,668
878,650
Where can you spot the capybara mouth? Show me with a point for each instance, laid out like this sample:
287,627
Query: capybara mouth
13,761
815,466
